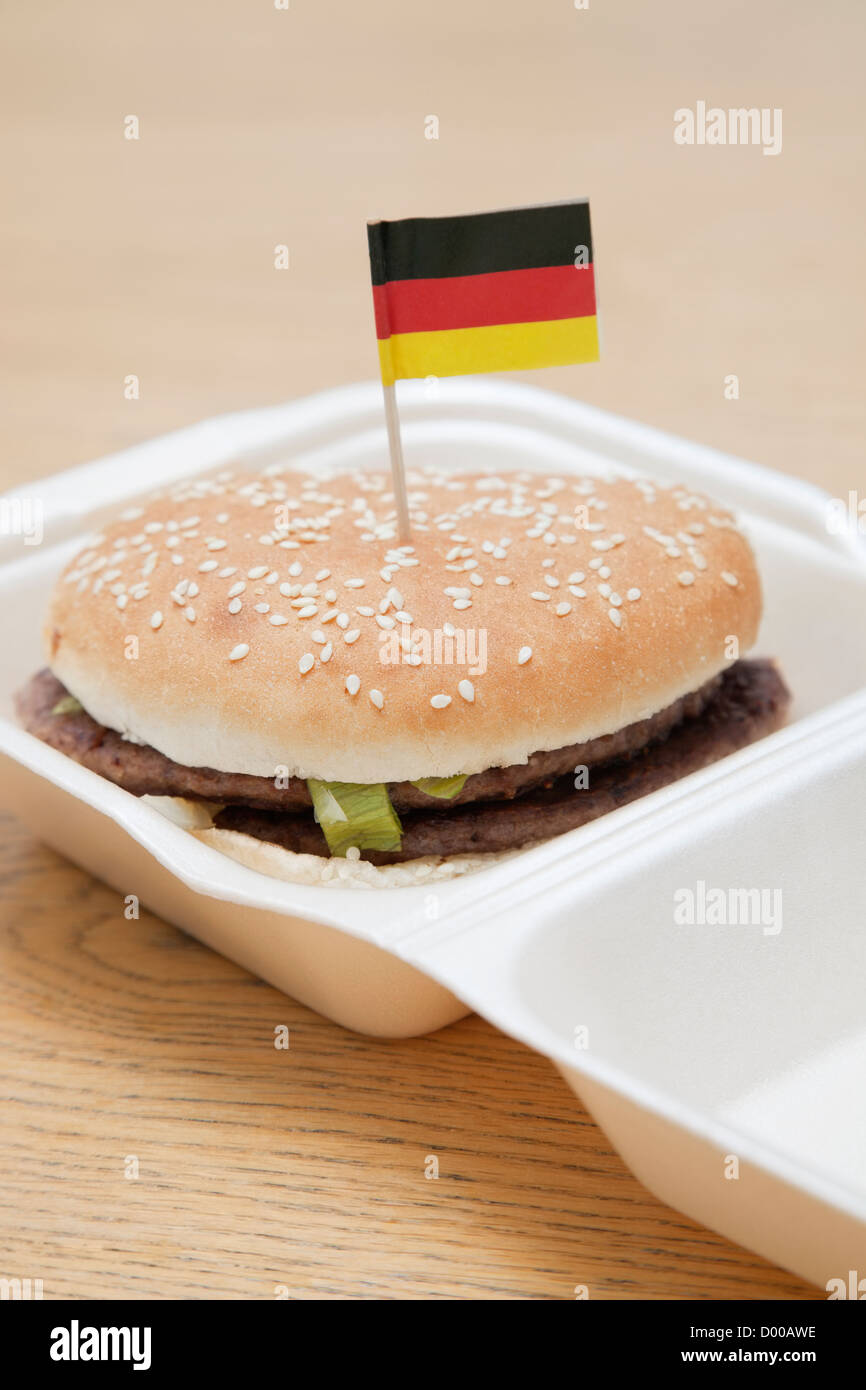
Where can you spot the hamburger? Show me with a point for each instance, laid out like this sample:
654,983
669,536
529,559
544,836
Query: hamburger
264,646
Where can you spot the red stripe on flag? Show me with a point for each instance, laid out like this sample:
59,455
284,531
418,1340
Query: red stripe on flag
475,301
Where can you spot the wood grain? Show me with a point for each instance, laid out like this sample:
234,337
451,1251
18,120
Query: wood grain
302,1168
155,257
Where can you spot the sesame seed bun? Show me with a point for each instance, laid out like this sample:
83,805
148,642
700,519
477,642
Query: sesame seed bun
239,622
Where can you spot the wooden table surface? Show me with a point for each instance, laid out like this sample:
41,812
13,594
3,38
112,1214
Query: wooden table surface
303,1170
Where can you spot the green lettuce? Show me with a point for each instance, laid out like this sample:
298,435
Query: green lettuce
444,787
355,813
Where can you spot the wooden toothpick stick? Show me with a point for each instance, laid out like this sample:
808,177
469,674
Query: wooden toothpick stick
395,449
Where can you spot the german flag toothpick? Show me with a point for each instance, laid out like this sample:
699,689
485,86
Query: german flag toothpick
487,292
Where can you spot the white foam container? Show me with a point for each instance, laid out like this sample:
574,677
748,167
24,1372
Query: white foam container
706,1044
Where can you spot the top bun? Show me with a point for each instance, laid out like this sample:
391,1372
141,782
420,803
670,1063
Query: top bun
240,622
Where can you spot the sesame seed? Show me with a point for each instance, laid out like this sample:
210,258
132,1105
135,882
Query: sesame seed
523,655
239,652
502,579
263,608
377,698
306,663
385,621
352,636
354,583
577,591
440,701
542,598
462,603
156,620
216,543
576,578
604,590
616,601
342,620
615,616
309,611
730,578
323,574
258,572
189,614
467,690
207,565
237,589
235,606
353,684
277,620
327,652
562,609
686,577
633,595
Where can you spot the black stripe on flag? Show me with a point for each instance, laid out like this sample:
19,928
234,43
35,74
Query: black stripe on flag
431,248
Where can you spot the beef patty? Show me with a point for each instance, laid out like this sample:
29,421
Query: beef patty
751,701
143,771
499,809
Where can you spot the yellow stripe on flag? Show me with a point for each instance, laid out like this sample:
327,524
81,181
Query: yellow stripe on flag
501,347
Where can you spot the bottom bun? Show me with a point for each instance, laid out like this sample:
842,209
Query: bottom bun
315,870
